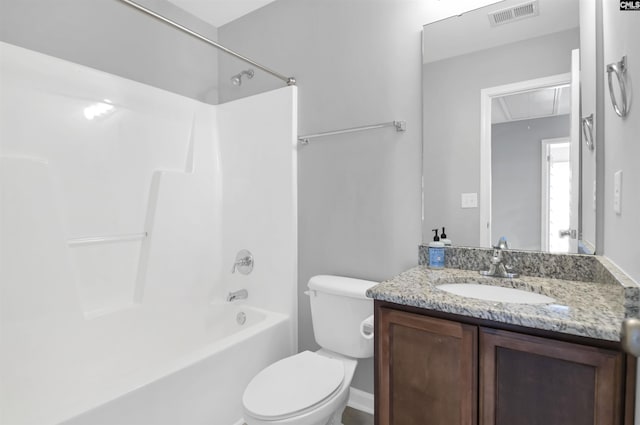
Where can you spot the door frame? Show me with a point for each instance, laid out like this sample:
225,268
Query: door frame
486,97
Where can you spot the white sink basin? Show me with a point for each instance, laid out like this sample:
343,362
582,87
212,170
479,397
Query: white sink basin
495,293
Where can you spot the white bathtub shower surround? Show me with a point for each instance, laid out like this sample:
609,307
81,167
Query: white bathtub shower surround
121,209
260,213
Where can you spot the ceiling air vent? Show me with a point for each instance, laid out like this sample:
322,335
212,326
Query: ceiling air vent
514,13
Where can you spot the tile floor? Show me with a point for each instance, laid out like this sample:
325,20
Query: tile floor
356,417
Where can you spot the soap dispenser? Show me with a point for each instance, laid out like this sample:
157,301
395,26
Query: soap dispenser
436,252
444,239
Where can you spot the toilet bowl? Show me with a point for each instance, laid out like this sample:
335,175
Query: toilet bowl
312,388
305,389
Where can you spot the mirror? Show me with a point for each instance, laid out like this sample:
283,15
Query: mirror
502,151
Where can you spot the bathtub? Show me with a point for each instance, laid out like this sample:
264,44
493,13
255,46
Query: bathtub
139,366
119,229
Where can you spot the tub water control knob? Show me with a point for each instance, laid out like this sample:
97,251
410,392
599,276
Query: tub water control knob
243,263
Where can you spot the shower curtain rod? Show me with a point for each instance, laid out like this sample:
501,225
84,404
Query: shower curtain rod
291,81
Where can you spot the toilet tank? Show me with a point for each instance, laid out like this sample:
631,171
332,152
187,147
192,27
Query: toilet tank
338,307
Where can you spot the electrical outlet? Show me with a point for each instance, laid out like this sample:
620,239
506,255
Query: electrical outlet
617,192
469,200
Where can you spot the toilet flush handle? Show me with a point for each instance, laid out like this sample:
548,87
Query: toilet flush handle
366,327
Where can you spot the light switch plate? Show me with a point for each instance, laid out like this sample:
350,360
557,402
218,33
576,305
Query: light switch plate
617,192
469,200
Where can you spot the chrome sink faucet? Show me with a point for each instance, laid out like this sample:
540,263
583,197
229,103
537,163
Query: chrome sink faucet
241,294
497,267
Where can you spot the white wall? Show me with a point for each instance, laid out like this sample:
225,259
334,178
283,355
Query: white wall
516,178
65,177
357,62
452,122
118,174
116,38
258,160
204,181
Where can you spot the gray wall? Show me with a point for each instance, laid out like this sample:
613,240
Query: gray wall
622,143
516,178
357,62
452,122
113,37
621,30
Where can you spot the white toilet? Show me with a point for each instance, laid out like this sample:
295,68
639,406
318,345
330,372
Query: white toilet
313,388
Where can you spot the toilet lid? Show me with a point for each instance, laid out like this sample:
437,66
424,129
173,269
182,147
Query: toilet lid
292,385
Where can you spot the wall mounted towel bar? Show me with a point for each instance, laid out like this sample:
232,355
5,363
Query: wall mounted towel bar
106,239
399,125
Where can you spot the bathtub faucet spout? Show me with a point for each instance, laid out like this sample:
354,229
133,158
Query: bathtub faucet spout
242,294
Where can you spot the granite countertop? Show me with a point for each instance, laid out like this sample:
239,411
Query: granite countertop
589,309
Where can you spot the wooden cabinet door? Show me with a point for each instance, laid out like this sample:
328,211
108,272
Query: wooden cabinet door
426,370
526,380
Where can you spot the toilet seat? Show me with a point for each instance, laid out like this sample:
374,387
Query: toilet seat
293,386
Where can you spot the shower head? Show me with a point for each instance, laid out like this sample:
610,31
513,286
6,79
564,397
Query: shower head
237,79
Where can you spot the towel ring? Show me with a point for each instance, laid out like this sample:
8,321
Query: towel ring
620,69
587,131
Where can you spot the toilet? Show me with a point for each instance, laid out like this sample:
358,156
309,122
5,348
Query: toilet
312,388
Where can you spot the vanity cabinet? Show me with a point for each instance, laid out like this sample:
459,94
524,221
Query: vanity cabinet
531,380
445,371
426,370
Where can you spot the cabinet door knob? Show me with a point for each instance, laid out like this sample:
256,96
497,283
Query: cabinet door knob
630,336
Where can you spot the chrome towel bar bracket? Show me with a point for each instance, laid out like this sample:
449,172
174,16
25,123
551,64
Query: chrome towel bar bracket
620,70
